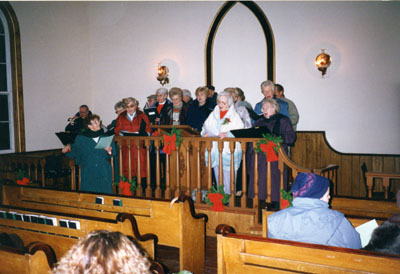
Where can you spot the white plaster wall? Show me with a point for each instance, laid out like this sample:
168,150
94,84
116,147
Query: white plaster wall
99,52
55,66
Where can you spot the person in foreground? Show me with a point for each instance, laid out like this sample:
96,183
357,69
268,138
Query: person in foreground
104,252
310,220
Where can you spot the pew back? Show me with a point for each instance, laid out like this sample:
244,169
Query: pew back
37,259
61,236
250,254
175,225
365,207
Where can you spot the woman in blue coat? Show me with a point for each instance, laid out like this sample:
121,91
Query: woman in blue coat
310,220
95,163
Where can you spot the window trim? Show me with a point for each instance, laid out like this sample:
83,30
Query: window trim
16,76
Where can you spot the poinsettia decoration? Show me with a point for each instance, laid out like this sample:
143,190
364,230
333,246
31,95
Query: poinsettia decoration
217,198
127,187
22,178
172,140
269,145
226,121
287,199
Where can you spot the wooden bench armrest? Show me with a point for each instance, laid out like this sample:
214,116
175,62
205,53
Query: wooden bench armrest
32,248
183,198
156,268
145,237
224,229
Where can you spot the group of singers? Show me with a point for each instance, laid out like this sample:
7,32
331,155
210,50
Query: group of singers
211,114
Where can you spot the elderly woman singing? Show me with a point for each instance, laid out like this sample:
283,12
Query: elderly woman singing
278,125
220,122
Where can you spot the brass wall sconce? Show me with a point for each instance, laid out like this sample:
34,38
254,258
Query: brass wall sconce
162,74
323,61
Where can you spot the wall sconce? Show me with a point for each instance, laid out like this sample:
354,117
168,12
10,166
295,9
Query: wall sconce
323,61
162,74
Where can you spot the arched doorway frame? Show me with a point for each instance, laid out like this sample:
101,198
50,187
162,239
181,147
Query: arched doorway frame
265,25
16,76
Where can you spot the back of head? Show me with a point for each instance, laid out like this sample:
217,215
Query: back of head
385,238
211,87
104,252
310,185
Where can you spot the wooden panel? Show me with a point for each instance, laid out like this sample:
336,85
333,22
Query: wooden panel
312,150
245,254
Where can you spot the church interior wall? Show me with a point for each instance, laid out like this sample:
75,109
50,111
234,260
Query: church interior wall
96,53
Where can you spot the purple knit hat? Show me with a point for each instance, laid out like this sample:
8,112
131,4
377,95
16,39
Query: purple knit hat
310,185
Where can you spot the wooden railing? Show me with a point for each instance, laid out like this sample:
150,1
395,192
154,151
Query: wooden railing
312,148
36,165
185,169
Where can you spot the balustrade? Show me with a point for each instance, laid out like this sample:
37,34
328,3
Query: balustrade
185,170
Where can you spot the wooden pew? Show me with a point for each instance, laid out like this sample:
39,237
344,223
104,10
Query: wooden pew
60,238
176,225
37,258
365,207
354,220
251,254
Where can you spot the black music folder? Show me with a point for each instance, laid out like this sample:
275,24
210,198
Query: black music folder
66,137
253,132
152,114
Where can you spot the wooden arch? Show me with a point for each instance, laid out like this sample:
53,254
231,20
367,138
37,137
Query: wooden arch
16,76
262,19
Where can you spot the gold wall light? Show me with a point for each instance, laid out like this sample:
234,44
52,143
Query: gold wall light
162,74
323,61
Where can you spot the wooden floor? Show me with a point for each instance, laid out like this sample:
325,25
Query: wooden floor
169,257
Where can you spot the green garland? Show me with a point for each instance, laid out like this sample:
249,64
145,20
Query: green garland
269,138
21,174
226,198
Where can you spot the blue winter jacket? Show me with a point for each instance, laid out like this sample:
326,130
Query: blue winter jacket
311,221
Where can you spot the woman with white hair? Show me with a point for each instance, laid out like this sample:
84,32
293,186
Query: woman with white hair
278,125
219,123
163,106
